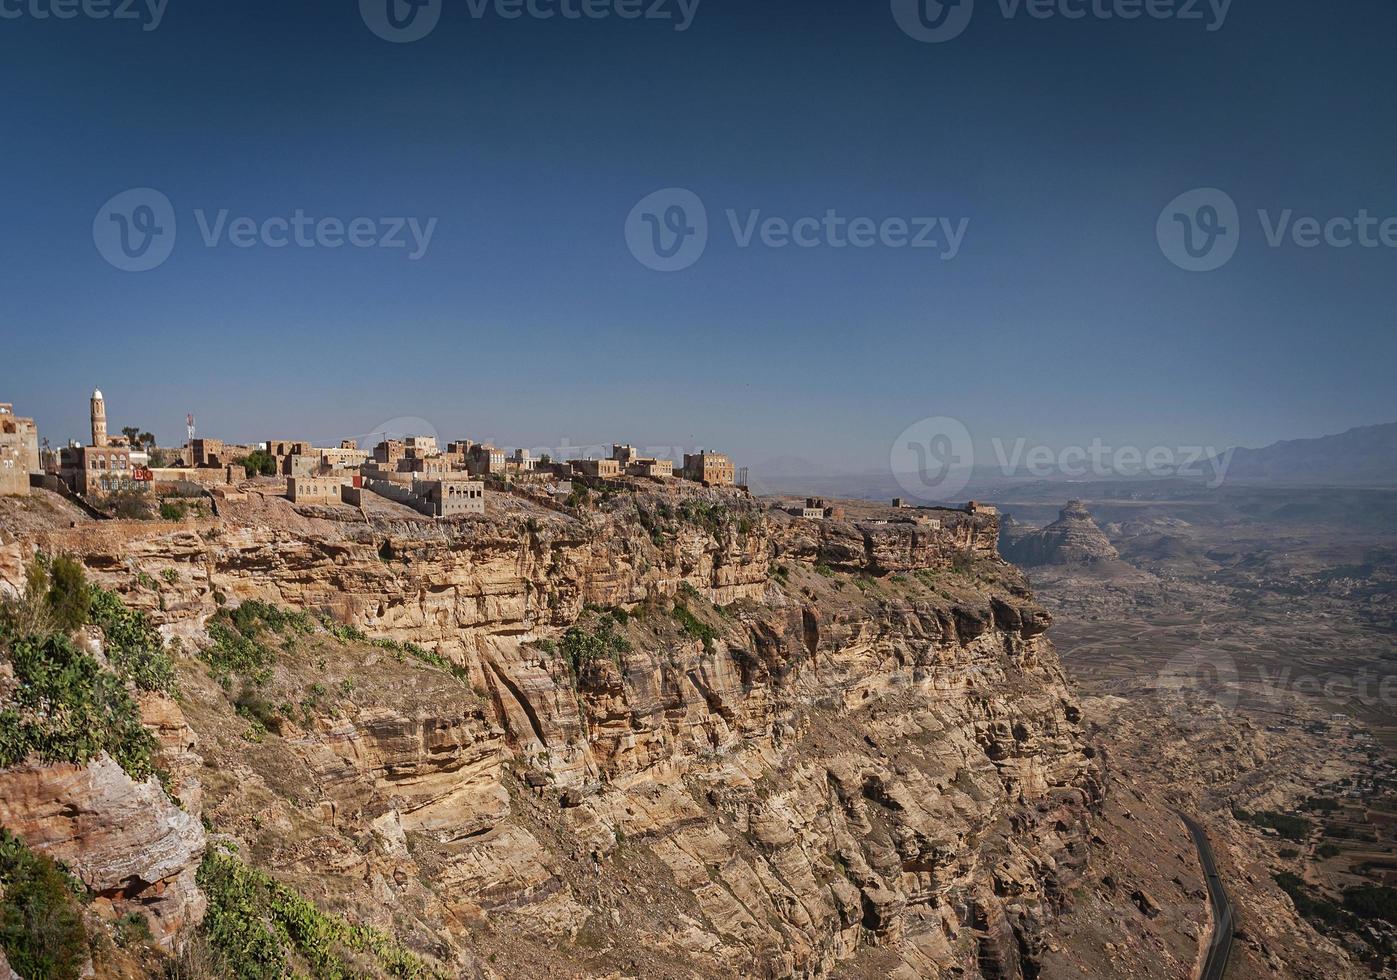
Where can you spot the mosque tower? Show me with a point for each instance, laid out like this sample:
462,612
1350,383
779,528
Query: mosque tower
99,419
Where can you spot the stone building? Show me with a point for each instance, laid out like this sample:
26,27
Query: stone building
287,447
388,452
315,489
814,510
427,468
485,460
451,498
633,464
420,447
434,498
104,466
99,419
209,453
345,457
597,469
299,465
19,451
710,469
658,469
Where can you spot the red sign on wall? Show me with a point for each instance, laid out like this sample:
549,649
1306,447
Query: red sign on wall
141,474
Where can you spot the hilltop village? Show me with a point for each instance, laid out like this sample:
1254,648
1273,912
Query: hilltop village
437,481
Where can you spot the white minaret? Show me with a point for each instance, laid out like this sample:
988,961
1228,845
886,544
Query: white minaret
99,418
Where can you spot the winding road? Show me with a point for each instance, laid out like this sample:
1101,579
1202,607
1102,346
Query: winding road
1220,945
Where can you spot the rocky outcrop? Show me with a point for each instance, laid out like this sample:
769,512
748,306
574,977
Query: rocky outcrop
1073,539
818,743
126,841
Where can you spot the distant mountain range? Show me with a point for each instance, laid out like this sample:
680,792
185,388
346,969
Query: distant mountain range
1364,456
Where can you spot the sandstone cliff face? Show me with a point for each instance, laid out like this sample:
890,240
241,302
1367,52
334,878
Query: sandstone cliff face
865,754
126,841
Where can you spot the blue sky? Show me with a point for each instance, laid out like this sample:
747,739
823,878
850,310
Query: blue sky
529,321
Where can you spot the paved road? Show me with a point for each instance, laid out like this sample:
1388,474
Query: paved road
1220,946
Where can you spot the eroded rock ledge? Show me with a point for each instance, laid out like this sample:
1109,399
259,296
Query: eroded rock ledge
871,759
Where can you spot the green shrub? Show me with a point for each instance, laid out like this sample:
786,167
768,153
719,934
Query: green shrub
695,627
69,596
241,636
41,928
259,462
172,510
66,708
710,517
265,930
134,648
1326,851
234,655
581,646
1288,826
1305,903
438,661
133,929
130,504
1372,902
345,632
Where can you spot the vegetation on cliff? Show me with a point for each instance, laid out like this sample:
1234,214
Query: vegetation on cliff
41,928
264,930
242,640
66,706
582,645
